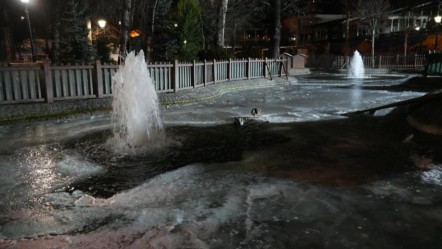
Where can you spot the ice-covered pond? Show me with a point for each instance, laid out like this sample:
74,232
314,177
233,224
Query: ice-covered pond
302,177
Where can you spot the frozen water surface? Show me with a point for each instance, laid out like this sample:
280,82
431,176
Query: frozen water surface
307,178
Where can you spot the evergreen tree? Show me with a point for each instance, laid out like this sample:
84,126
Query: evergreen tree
74,45
165,41
163,32
189,29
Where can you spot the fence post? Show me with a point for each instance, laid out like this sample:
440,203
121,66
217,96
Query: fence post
249,68
380,61
205,72
266,72
214,71
48,89
193,76
415,60
230,69
397,61
176,74
98,80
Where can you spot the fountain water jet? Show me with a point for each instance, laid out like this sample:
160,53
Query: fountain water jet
136,118
356,70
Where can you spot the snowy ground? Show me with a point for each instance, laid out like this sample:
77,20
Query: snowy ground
309,178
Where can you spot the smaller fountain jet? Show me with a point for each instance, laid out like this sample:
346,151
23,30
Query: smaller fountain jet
356,70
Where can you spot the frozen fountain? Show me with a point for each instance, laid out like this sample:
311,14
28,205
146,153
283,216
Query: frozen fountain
215,185
136,118
356,70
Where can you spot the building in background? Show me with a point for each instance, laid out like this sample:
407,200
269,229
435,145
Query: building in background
405,30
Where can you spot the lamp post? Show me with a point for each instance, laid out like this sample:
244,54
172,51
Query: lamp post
33,56
437,19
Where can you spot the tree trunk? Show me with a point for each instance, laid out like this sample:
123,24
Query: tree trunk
7,39
203,36
347,39
154,12
56,34
276,30
222,22
125,28
235,27
149,40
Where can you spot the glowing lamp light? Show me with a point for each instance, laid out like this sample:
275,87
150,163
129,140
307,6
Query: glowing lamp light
24,1
101,23
417,28
437,18
135,33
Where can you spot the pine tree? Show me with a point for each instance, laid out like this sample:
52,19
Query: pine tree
189,28
74,45
165,41
165,36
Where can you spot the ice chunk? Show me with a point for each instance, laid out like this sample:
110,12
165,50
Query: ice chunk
74,166
433,176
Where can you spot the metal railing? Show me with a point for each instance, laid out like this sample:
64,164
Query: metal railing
49,83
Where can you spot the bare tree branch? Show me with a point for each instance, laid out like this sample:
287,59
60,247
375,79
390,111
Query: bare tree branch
373,13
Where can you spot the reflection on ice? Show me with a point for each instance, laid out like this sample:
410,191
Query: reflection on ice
193,206
75,167
433,176
304,101
34,171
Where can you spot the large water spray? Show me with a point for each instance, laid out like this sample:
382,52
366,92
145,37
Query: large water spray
136,117
356,69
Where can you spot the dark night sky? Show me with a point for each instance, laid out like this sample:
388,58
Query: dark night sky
335,6
41,13
40,9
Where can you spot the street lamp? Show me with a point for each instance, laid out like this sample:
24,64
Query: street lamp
101,23
437,19
26,2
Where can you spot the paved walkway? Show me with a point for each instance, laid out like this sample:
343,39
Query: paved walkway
214,90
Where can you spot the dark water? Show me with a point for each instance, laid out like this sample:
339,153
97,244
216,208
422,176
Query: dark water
216,144
341,152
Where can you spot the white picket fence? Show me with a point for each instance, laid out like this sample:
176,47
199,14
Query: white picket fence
48,83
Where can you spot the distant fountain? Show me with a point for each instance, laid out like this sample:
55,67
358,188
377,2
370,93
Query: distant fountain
135,110
356,70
